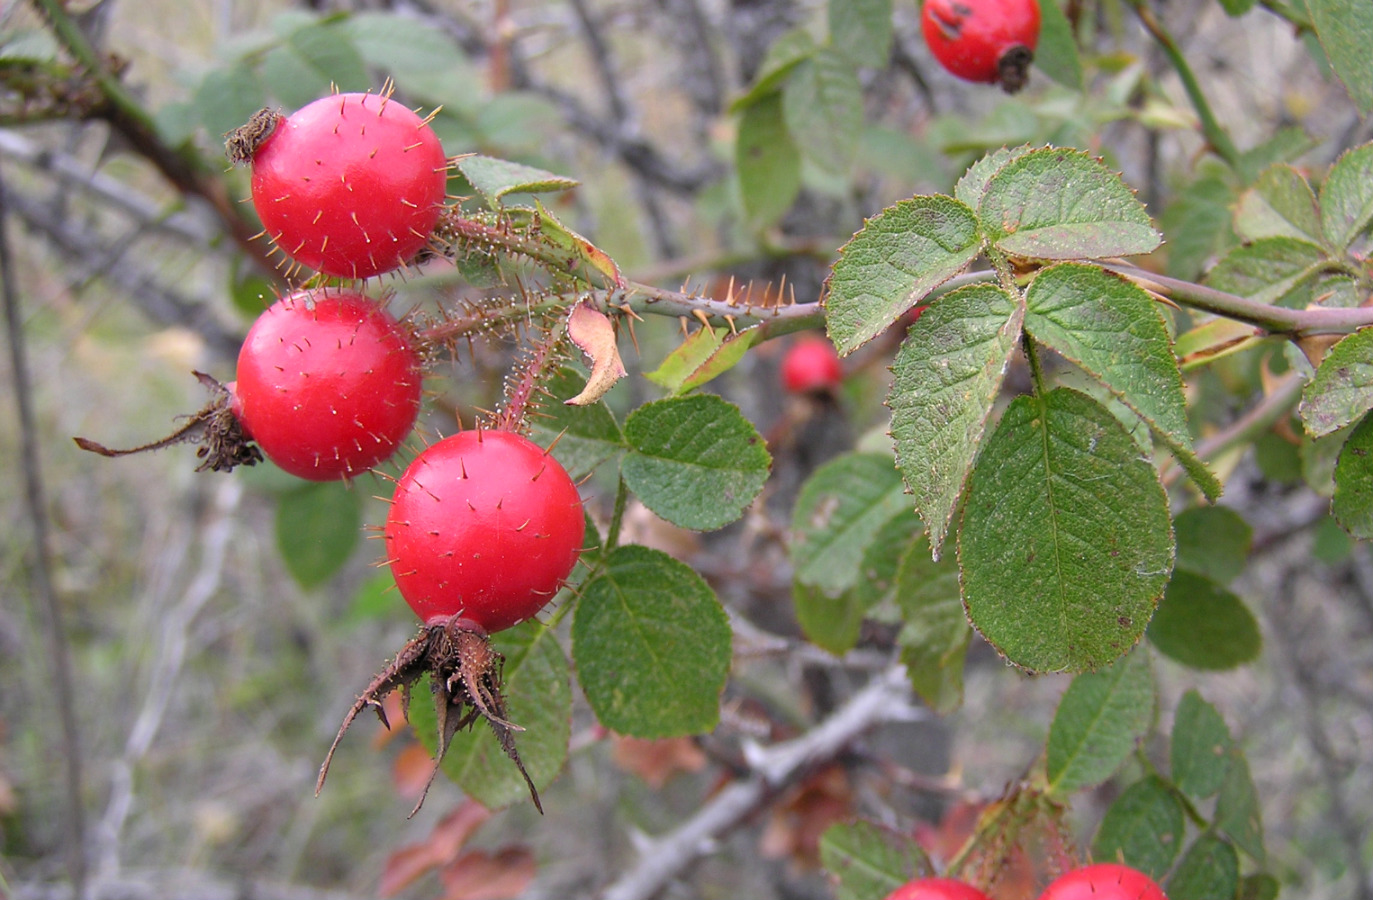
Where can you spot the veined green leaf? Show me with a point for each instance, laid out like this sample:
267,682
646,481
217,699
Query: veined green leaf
652,645
1345,30
1143,828
1347,196
1210,870
1199,753
1066,542
861,30
1101,718
1280,204
494,178
839,512
1202,625
694,460
1057,204
869,861
822,103
1342,390
899,256
1115,332
947,375
1352,505
768,162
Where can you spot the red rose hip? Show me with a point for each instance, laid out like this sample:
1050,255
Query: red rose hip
351,185
1104,881
811,364
988,41
936,889
328,384
484,525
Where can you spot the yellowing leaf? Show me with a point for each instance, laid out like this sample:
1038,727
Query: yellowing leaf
594,334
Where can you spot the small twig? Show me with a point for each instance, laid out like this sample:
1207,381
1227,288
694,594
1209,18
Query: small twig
184,169
885,699
1265,414
58,651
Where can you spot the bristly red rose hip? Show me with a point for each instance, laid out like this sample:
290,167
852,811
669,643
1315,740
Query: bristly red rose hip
485,526
328,384
351,185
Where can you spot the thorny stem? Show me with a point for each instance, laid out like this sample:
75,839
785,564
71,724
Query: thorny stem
1211,129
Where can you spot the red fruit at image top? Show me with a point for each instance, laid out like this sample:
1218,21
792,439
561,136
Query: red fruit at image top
811,364
350,185
1104,881
936,889
328,384
484,525
988,41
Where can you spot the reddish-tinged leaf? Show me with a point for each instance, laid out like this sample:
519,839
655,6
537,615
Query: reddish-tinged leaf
794,830
479,875
441,848
594,334
411,770
657,761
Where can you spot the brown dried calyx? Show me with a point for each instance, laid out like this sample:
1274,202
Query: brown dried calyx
1013,67
465,676
241,144
223,442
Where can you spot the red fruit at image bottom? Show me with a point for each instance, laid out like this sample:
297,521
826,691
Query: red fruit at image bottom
811,364
987,41
328,384
351,185
936,889
1104,881
484,525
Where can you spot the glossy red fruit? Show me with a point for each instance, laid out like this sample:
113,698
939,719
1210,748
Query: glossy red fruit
485,525
936,889
328,384
811,364
1104,881
988,41
350,185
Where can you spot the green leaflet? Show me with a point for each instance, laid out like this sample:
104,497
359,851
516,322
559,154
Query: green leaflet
1057,204
946,378
652,645
1115,332
1066,542
869,861
1101,718
695,460
1342,390
899,256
